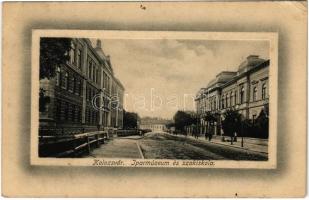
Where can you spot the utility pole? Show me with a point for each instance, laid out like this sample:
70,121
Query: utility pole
242,133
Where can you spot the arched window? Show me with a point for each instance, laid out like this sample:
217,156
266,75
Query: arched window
79,58
90,69
242,95
58,77
235,98
231,99
72,54
264,91
222,101
254,94
215,103
210,106
93,72
66,79
97,76
73,82
226,100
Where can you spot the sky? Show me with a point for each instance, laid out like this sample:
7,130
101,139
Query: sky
163,76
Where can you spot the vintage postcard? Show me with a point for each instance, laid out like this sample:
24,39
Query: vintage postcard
154,99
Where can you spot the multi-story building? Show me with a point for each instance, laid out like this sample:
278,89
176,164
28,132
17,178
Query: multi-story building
81,92
117,104
245,90
154,124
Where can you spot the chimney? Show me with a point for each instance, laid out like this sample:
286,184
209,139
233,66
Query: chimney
98,44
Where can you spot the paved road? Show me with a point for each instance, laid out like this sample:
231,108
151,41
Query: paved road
122,147
166,146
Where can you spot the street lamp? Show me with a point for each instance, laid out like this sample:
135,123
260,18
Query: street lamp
242,135
242,130
241,127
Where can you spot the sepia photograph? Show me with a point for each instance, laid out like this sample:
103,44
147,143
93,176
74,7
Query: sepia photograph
154,99
164,101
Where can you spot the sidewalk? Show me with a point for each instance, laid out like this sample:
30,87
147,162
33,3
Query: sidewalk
250,144
119,148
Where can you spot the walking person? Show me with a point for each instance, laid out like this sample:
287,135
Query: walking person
210,133
205,133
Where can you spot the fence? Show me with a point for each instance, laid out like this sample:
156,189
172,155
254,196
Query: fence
123,133
76,141
69,141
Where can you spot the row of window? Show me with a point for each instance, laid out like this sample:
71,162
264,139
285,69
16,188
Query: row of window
255,92
68,112
230,99
106,82
76,60
91,117
69,82
93,70
75,56
90,92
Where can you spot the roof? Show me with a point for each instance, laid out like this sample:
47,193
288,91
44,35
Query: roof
251,62
224,77
221,78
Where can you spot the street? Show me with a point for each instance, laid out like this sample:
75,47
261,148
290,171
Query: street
166,146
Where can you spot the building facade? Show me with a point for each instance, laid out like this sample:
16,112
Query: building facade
245,90
84,91
154,124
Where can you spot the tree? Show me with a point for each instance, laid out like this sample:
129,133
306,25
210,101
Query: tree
183,119
170,124
231,123
262,124
211,118
53,52
130,120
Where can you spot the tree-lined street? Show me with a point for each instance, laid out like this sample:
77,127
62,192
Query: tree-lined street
166,146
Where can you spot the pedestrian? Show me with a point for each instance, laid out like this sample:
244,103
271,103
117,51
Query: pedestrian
210,134
210,137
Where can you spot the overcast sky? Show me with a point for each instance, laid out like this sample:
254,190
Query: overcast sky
163,76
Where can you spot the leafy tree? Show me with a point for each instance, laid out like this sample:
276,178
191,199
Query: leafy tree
210,117
262,124
53,52
130,120
257,128
183,119
231,123
169,125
